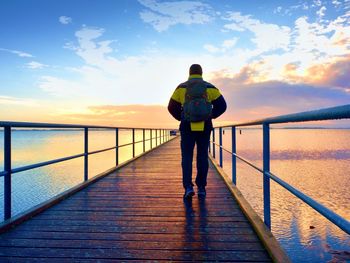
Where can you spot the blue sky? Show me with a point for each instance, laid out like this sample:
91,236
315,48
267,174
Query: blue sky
77,61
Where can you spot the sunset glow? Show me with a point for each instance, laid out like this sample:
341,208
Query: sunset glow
118,62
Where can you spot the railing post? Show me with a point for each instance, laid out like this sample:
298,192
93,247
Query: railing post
209,148
156,138
214,143
133,143
266,165
7,168
86,155
116,147
143,140
234,150
220,150
150,137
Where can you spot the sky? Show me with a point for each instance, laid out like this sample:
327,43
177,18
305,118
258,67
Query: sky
117,62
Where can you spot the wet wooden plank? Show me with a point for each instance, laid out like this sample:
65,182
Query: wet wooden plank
69,217
136,223
116,244
137,237
124,254
137,214
246,230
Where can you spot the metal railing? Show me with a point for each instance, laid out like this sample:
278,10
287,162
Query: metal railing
340,112
161,136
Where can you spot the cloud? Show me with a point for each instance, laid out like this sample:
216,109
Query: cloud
310,44
229,43
17,52
93,52
319,6
319,43
162,15
336,3
35,65
226,45
277,10
267,37
333,74
8,100
321,12
65,20
317,2
132,79
211,48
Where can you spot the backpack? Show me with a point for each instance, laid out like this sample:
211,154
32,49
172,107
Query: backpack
197,106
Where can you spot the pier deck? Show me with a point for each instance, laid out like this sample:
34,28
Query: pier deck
137,213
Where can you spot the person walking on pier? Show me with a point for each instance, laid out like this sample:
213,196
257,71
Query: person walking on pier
195,103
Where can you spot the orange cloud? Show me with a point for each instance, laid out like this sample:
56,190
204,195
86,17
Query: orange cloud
341,39
334,74
290,72
254,72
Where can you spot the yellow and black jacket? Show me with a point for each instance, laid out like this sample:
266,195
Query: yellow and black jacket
178,99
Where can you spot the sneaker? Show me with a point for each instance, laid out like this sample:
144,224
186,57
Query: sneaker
201,191
189,192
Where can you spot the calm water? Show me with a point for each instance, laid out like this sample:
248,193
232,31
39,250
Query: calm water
316,162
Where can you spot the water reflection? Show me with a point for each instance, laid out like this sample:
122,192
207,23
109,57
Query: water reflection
203,222
190,220
195,229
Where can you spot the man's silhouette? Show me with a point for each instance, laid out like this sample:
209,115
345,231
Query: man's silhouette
182,106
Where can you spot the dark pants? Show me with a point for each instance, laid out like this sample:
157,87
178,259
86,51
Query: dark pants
188,141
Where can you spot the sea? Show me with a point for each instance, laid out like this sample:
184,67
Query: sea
315,161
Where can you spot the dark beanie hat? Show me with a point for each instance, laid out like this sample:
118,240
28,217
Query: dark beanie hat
196,69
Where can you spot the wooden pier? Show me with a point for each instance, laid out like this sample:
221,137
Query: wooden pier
137,214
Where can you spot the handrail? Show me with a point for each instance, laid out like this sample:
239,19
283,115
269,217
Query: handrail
333,113
339,112
20,124
162,135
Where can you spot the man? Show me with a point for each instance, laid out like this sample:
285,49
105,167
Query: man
195,131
